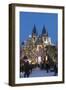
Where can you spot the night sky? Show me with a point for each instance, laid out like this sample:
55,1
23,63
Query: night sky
49,20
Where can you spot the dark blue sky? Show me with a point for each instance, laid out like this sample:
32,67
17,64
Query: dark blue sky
28,19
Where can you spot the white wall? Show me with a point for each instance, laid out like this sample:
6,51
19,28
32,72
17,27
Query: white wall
4,45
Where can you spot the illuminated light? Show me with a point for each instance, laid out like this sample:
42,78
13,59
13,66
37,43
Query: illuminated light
39,59
30,36
46,58
29,61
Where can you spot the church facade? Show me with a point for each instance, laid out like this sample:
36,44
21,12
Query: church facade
35,47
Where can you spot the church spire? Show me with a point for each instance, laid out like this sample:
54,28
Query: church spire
34,31
44,32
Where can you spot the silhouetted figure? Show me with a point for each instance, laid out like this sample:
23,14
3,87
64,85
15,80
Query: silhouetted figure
55,70
47,67
41,65
26,69
31,67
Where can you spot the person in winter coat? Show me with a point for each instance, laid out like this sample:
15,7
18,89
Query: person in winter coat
26,68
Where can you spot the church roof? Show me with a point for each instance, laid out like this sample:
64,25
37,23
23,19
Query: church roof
34,31
44,32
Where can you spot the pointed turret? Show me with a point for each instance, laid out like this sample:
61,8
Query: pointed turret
34,32
44,35
44,32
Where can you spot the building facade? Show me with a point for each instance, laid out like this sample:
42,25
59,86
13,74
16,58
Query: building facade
35,48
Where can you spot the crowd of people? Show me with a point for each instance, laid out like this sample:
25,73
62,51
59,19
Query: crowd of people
28,67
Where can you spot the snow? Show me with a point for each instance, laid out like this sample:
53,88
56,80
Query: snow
41,73
38,73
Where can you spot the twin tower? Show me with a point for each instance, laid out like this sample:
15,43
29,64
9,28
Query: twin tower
42,38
